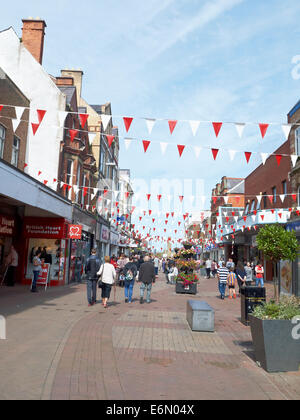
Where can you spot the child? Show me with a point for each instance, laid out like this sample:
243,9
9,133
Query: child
231,282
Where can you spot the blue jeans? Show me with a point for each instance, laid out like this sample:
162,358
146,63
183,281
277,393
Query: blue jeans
129,290
35,278
142,290
91,291
222,288
259,281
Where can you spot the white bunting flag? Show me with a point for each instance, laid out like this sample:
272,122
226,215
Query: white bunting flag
236,218
197,151
93,195
226,198
62,115
259,197
150,124
286,128
294,159
232,154
253,218
163,147
282,197
15,124
194,126
75,188
19,112
264,157
240,128
92,138
105,120
127,142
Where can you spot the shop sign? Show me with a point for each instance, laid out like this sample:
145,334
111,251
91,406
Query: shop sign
114,238
43,277
74,231
7,226
44,228
104,234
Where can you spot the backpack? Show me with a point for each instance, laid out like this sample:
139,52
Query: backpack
129,275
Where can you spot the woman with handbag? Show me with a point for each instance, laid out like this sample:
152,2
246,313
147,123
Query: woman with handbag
107,274
37,266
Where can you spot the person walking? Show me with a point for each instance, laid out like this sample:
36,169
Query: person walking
121,264
249,274
208,267
241,275
107,273
230,264
214,268
12,261
130,272
91,269
156,265
259,274
222,277
37,266
147,278
231,282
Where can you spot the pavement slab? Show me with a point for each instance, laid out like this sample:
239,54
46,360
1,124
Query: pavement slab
59,348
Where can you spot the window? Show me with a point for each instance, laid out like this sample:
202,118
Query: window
258,204
83,185
265,200
252,205
297,141
247,209
2,140
284,187
69,178
274,191
78,182
15,151
102,160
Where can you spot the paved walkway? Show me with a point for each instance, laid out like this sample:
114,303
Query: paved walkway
58,348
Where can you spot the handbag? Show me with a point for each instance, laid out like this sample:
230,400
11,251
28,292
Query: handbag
100,284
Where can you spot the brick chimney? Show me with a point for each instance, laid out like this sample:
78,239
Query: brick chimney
33,33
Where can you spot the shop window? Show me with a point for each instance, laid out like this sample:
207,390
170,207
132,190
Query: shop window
2,140
15,151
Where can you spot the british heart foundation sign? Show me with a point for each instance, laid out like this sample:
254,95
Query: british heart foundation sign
74,231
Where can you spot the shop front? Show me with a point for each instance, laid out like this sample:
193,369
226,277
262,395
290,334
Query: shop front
50,236
114,243
7,234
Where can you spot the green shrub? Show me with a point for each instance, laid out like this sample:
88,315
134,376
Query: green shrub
287,308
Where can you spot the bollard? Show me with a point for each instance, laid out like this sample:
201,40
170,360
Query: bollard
2,328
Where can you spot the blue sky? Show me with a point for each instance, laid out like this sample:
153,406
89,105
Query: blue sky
216,60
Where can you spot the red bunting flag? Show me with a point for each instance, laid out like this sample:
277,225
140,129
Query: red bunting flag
85,191
217,127
172,125
278,158
159,197
263,129
25,165
181,198
172,214
148,196
126,194
180,149
153,220
262,217
41,113
214,199
150,211
117,203
72,134
34,128
294,197
179,223
146,144
215,153
270,198
167,215
280,214
83,118
248,156
105,192
127,122
110,139
1,107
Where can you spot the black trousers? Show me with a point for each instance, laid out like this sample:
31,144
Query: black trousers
11,276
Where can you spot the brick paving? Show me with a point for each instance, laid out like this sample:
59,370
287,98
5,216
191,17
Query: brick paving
131,351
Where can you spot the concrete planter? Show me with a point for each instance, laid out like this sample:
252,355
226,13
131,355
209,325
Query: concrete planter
191,289
275,348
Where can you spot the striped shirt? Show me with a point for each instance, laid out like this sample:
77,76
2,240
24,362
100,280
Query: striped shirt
223,274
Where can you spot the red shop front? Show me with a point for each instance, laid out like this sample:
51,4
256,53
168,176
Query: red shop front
52,237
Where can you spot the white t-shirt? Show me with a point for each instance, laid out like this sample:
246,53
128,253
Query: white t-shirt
208,264
156,262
